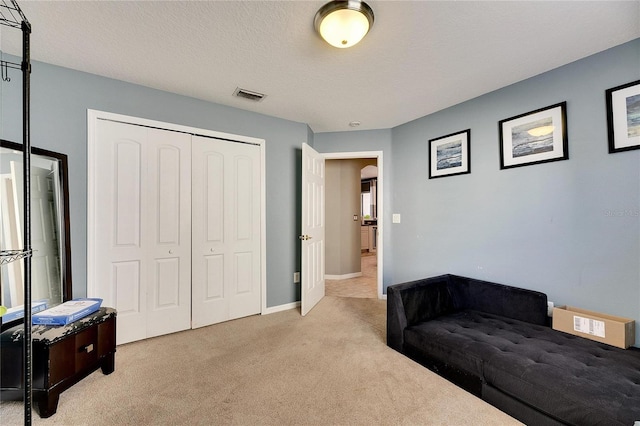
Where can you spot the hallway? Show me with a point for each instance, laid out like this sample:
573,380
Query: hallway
365,286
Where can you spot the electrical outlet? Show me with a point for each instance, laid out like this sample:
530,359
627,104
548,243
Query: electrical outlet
296,277
395,218
550,309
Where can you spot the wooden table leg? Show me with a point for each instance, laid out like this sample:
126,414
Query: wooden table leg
48,404
108,363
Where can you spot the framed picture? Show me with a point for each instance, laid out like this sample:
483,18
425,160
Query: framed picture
623,117
450,155
538,136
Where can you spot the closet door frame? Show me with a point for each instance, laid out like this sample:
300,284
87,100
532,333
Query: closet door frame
93,116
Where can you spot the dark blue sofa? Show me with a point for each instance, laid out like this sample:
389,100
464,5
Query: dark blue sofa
494,341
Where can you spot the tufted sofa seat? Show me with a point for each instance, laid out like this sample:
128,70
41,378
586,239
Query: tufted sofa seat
509,356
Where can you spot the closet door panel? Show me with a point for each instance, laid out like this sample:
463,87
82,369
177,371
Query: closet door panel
215,277
167,294
210,247
168,208
243,267
244,230
126,287
120,254
127,172
168,232
243,194
213,191
226,230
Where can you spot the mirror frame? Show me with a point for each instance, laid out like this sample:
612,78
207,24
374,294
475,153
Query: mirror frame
65,246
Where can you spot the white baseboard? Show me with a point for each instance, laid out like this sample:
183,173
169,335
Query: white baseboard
280,308
296,305
343,277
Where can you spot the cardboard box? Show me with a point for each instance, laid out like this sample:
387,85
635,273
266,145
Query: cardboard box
609,329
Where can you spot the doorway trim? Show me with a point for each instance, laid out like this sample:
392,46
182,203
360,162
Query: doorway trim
380,188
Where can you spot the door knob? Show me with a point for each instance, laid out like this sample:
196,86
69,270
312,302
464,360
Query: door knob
171,251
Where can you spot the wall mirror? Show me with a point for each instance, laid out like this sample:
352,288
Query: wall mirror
51,260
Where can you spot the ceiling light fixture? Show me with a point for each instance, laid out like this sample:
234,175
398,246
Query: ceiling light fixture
343,23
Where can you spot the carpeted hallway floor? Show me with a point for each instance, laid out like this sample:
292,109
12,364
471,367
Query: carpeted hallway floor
331,367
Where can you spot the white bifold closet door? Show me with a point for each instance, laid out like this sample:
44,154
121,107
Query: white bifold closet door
226,230
178,229
143,228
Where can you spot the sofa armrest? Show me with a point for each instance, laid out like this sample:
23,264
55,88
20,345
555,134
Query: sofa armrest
396,319
413,302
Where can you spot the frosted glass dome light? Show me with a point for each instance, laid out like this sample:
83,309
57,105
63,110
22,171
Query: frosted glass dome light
343,23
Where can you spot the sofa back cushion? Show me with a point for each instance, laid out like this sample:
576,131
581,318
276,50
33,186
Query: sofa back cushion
426,299
511,302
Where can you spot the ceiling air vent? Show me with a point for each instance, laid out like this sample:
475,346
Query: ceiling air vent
248,94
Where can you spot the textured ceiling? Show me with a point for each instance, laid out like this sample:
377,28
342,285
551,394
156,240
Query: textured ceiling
419,57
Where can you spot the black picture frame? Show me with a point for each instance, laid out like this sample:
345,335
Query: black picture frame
535,137
623,117
450,155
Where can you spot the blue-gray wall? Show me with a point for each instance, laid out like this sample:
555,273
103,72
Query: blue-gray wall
60,98
568,228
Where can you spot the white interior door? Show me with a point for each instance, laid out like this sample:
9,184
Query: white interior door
226,208
313,228
141,245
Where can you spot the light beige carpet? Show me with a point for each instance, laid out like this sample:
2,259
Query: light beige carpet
331,367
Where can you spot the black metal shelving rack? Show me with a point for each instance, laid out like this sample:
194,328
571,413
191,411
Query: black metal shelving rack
11,15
